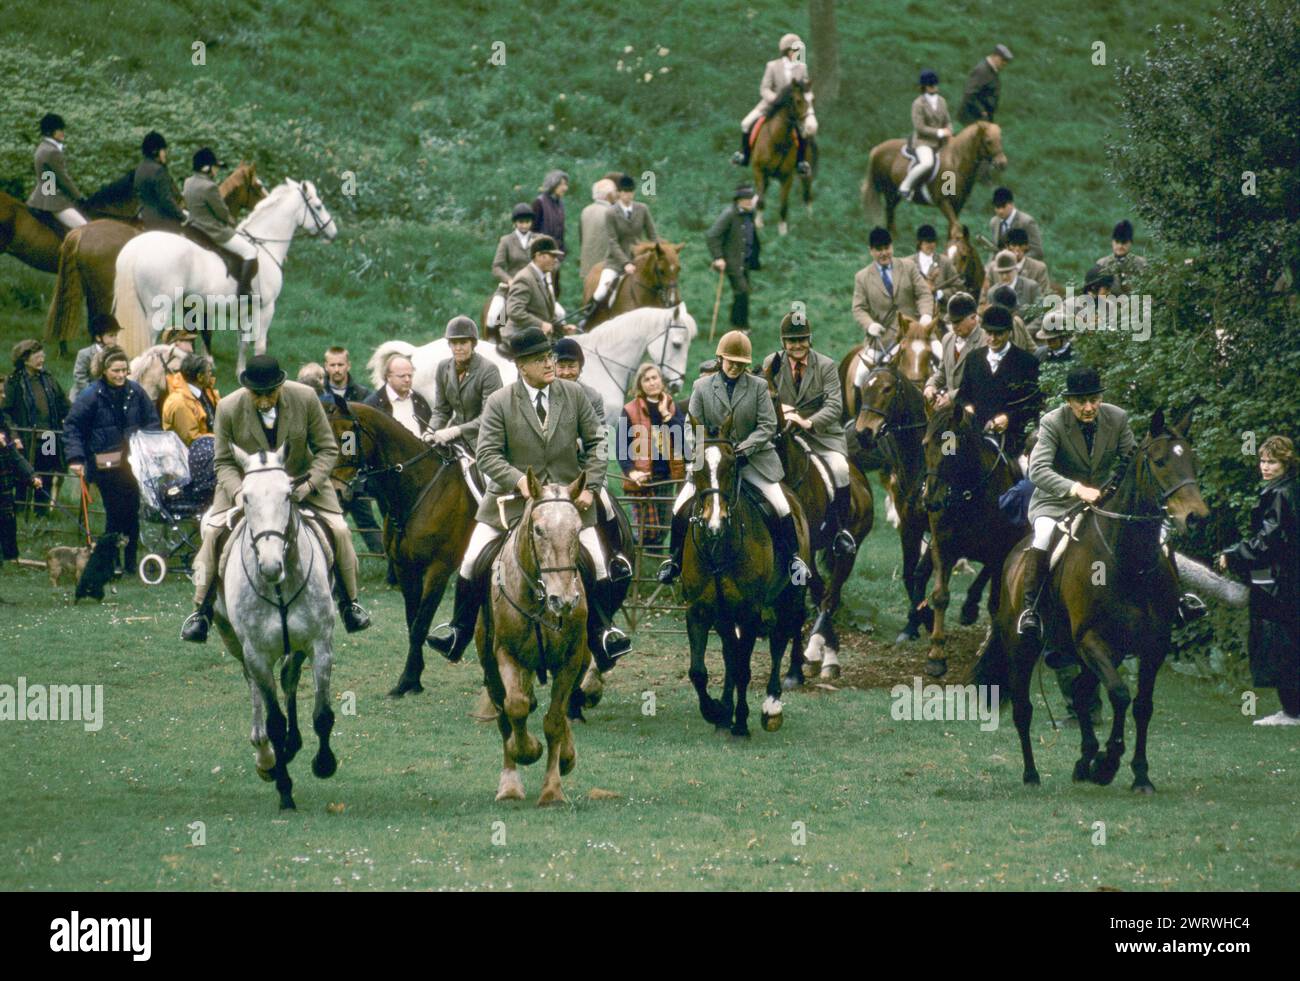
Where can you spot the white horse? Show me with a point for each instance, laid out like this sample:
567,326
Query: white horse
613,350
275,602
163,277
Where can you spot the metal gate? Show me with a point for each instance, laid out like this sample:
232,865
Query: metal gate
652,608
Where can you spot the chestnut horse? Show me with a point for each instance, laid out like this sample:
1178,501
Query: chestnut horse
534,623
654,284
775,150
733,582
87,260
961,157
1130,612
30,240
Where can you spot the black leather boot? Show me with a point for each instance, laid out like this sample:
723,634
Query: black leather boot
672,566
801,165
463,617
741,157
247,273
196,625
355,618
841,514
607,642
789,544
1036,575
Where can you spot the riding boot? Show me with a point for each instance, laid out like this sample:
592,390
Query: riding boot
607,642
672,566
196,625
841,515
801,165
247,272
789,544
1037,574
741,157
354,616
469,598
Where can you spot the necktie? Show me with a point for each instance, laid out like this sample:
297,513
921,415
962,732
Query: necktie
889,283
541,410
1089,432
1005,222
798,372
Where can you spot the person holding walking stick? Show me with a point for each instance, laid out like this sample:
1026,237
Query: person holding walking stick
734,247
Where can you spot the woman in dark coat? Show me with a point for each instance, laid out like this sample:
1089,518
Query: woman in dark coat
1270,560
103,418
15,473
651,451
36,405
548,214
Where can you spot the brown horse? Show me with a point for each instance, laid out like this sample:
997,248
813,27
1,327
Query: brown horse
807,480
30,240
965,474
967,261
775,150
429,513
1129,611
961,157
534,623
733,583
654,284
87,260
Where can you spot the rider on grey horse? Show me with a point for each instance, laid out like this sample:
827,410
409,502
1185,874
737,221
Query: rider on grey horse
209,214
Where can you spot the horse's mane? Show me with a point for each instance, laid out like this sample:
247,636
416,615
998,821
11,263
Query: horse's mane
942,420
386,425
274,195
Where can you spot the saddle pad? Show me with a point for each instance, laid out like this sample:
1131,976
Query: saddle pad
819,465
229,259
1063,537
753,130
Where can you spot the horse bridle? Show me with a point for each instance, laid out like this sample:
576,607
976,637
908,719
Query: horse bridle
261,243
885,426
968,494
661,364
1165,494
668,294
538,619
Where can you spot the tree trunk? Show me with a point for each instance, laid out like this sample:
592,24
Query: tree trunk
824,65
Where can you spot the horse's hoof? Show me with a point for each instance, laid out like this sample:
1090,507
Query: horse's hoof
969,615
324,765
773,714
936,667
713,712
830,672
1143,787
567,764
791,681
739,733
1031,779
287,804
405,687
265,774
510,787
547,799
1081,772
1102,773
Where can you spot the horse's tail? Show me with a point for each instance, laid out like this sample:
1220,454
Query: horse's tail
137,333
379,360
64,318
993,666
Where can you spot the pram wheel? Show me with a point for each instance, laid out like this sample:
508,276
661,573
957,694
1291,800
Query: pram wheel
153,569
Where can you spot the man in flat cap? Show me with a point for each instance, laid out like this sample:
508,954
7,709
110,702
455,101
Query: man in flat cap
734,248
984,87
530,300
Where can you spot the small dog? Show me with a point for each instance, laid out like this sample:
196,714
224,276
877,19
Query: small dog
100,568
63,559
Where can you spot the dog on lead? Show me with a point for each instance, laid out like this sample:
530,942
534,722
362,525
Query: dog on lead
100,568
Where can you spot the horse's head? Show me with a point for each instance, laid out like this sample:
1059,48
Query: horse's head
801,104
952,464
918,350
671,351
267,494
315,220
243,189
991,143
878,403
716,481
659,267
550,535
356,449
1166,471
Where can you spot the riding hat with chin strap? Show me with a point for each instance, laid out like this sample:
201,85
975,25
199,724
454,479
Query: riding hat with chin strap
789,42
205,157
461,328
568,349
153,142
521,212
794,325
734,346
929,77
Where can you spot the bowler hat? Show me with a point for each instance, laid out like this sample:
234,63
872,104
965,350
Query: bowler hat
879,238
926,233
929,77
997,318
960,306
626,183
743,191
568,349
1005,261
527,342
262,373
1083,380
1123,231
101,324
544,243
1053,326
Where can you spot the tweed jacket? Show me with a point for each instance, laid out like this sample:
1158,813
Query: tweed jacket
947,375
980,98
510,256
778,75
927,121
301,427
753,423
511,439
1060,457
208,211
594,230
66,194
1030,269
624,233
819,399
157,193
1019,219
726,240
1124,270
81,370
529,302
459,402
872,302
943,277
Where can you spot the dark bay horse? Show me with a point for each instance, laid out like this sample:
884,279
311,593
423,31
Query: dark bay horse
654,284
1127,610
965,474
87,261
966,261
429,514
807,480
732,584
534,623
775,152
962,156
30,240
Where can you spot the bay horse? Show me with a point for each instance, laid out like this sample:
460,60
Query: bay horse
534,623
807,479
775,150
87,261
731,584
966,472
961,156
25,236
966,261
154,267
275,604
428,514
654,284
1130,611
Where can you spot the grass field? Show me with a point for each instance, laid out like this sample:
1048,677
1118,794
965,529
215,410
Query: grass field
443,143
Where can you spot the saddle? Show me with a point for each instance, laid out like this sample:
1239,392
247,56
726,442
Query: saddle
47,219
309,518
922,186
816,463
229,259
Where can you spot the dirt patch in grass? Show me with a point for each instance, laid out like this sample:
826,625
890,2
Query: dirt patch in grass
869,661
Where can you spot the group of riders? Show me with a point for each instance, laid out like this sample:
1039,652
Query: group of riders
198,211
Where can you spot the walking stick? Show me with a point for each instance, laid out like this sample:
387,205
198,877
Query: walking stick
717,302
85,507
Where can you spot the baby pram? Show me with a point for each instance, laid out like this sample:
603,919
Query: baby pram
176,487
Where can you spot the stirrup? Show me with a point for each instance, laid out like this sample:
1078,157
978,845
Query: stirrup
619,568
799,571
739,160
442,645
844,543
668,572
195,628
1029,623
355,618
1191,608
615,643
804,168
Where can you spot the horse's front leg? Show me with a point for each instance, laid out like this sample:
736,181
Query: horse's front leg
561,756
290,672
742,656
936,665
522,746
1149,662
786,184
697,632
263,755
322,721
1097,655
263,679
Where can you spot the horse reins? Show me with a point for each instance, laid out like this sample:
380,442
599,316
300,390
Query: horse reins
261,243
538,620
